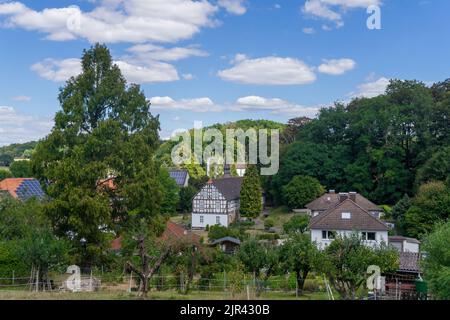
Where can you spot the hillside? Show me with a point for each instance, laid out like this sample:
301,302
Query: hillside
17,150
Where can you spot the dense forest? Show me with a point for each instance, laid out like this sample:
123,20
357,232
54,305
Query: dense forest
383,147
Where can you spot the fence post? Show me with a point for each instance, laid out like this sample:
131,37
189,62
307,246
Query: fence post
131,279
224,280
13,278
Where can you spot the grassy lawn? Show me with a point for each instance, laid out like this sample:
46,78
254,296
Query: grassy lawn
154,295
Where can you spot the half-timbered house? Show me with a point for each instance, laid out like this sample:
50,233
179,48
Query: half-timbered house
217,203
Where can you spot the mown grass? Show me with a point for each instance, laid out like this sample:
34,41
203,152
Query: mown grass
154,295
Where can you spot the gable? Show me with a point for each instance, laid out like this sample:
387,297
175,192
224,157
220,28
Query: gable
209,192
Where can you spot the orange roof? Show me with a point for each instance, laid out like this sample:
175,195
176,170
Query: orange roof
11,185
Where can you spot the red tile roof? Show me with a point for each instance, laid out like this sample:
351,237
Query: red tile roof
11,184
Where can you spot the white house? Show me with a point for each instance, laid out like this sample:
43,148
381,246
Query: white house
217,203
345,218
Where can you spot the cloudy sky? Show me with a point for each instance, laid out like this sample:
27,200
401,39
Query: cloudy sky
217,60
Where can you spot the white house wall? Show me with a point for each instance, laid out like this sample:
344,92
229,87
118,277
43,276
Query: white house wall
209,219
316,236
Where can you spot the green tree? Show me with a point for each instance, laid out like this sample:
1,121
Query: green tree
187,194
399,211
297,224
436,265
437,168
298,255
345,262
26,231
218,232
430,206
262,261
21,169
171,192
99,157
5,174
251,203
302,190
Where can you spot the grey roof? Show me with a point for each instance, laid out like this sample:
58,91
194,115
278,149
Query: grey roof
227,239
360,219
409,262
179,176
402,238
330,200
229,187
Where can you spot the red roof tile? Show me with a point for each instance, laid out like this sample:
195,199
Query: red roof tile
11,185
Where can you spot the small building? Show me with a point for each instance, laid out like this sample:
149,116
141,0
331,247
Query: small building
345,218
406,283
405,244
227,244
331,199
22,188
181,177
217,203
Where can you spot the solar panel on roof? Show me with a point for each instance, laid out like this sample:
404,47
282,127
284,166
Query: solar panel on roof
29,189
178,176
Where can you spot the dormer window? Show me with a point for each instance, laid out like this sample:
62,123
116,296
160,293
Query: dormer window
346,215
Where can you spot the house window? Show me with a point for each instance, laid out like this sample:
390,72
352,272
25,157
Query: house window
202,219
328,235
218,219
370,236
346,215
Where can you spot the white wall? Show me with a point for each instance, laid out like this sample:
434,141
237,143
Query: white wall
316,236
410,247
209,219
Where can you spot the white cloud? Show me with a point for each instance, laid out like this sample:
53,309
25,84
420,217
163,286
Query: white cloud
21,98
113,21
16,127
332,10
57,70
269,71
371,89
274,106
251,104
309,30
236,7
146,52
188,76
151,72
337,66
192,105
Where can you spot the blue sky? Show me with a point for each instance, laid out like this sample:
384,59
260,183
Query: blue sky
217,60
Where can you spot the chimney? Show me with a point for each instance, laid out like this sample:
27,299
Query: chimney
352,196
343,196
227,170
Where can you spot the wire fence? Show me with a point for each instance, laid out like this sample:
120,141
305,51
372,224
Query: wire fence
170,282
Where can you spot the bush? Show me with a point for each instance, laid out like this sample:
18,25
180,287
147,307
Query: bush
268,236
269,223
302,190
